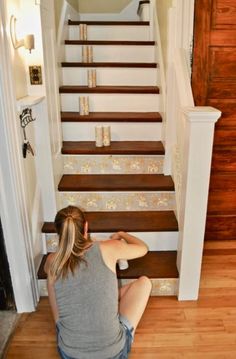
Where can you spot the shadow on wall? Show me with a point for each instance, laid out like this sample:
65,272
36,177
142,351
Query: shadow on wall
102,6
58,4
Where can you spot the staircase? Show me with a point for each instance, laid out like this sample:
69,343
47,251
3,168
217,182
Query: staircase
121,186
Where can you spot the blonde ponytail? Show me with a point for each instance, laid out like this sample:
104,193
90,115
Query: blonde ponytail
70,223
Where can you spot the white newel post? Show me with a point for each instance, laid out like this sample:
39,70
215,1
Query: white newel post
199,127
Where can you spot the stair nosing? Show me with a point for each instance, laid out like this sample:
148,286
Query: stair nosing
167,272
160,226
108,23
67,116
110,89
115,183
148,65
110,42
116,148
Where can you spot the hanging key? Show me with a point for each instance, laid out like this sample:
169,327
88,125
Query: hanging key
24,149
29,148
26,146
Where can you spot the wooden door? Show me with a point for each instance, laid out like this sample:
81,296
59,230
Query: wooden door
214,84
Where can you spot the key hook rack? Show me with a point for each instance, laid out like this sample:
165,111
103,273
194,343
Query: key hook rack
25,118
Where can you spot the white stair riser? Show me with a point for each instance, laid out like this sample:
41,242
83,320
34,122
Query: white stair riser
119,131
112,164
112,53
156,241
112,76
107,32
160,287
118,201
112,102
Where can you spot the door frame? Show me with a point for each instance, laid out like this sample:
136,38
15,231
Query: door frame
12,196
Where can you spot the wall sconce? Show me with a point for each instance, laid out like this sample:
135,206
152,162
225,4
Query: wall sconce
27,42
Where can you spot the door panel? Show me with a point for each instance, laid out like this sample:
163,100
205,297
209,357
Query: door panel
214,84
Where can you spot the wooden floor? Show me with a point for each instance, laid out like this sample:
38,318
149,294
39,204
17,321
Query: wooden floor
169,329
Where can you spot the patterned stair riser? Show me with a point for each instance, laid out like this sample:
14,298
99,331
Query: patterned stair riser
118,201
160,287
111,76
112,53
101,32
112,164
156,241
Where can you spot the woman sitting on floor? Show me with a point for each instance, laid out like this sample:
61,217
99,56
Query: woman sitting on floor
94,319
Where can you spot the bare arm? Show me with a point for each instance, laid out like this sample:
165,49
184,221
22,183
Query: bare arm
127,246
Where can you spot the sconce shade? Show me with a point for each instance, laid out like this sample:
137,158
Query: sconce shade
27,42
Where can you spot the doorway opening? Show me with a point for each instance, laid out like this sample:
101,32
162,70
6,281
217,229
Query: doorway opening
7,301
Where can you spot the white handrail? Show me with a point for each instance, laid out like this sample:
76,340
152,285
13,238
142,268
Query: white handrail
182,78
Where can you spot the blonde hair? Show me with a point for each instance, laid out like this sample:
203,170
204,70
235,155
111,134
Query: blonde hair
70,224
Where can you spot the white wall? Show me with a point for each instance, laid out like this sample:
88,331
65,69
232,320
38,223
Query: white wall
58,5
102,6
162,7
28,21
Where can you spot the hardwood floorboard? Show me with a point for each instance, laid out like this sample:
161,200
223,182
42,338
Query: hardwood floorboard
203,329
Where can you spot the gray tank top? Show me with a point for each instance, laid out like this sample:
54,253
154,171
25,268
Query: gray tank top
88,324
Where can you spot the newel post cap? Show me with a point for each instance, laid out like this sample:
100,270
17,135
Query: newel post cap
202,114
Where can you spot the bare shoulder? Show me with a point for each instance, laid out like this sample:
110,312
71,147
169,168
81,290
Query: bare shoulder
110,244
48,262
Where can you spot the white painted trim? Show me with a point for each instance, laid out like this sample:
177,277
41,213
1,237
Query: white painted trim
13,197
50,128
184,26
29,101
160,74
36,229
198,142
179,57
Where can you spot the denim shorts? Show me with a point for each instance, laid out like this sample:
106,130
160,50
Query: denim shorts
123,354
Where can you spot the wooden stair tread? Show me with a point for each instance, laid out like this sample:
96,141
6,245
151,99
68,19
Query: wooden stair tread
110,64
158,264
116,147
110,89
116,182
112,117
108,23
134,221
110,42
